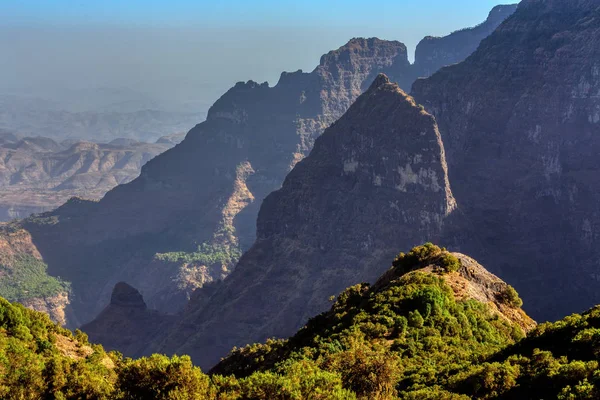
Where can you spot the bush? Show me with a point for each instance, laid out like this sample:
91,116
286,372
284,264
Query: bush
450,263
510,297
158,377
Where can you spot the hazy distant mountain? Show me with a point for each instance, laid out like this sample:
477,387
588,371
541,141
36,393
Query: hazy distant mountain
39,174
96,115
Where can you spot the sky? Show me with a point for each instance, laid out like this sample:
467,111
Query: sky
193,50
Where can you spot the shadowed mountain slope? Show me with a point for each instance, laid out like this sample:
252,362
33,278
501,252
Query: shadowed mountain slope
520,120
376,181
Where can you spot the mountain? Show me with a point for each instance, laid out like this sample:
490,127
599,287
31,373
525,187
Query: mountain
375,181
176,229
517,118
38,174
127,314
520,120
186,219
433,53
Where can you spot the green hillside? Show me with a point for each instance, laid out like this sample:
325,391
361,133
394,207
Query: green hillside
418,333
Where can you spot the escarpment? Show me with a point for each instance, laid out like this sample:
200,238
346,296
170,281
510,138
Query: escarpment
375,181
520,122
187,218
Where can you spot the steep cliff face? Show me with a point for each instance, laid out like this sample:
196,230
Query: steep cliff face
520,120
433,53
193,209
376,181
23,276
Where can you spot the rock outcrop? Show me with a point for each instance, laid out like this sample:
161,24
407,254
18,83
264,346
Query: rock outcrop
127,324
433,53
520,120
375,182
24,278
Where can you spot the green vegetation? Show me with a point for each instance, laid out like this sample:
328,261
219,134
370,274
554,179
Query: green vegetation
511,297
407,337
27,278
429,253
403,337
207,254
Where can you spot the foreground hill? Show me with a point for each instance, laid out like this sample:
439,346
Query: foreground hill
435,326
39,174
422,296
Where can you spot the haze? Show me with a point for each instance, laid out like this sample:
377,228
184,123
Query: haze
182,55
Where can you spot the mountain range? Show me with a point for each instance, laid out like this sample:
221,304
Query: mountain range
38,174
192,212
496,162
339,168
262,223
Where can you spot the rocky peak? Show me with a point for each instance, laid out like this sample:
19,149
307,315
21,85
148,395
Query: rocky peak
126,324
381,80
376,181
433,53
124,295
468,279
352,54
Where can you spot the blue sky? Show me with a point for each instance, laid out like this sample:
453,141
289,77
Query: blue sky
412,14
194,50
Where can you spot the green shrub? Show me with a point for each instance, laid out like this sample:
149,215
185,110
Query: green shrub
27,278
510,297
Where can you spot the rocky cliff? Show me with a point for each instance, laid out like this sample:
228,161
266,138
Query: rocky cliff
24,277
193,209
375,181
126,324
520,121
433,53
